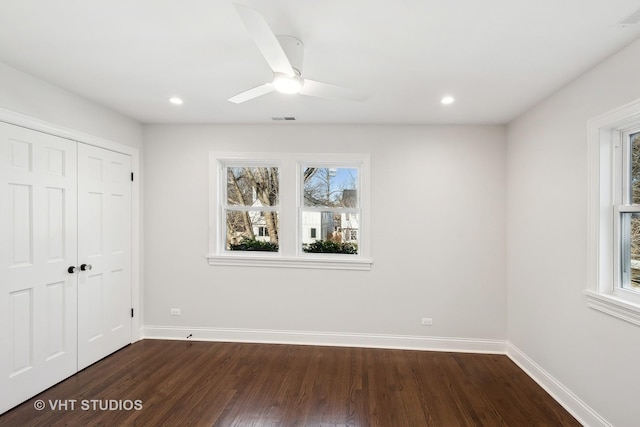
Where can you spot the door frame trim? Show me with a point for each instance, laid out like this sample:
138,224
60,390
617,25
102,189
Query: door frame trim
29,122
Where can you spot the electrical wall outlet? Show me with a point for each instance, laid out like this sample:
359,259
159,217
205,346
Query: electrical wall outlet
427,321
175,312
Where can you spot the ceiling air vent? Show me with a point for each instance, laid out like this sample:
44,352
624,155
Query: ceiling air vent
632,19
283,118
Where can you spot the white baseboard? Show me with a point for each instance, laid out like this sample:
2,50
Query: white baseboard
404,342
565,397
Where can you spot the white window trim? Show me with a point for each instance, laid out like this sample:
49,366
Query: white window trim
603,293
290,255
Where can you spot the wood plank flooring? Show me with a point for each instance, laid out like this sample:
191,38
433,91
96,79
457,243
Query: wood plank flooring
184,383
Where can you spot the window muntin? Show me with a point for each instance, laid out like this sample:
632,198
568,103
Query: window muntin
251,209
329,203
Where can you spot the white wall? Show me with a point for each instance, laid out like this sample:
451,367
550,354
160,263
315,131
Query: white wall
596,356
447,263
25,94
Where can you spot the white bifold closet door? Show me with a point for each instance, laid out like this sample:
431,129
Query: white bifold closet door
39,296
62,204
104,249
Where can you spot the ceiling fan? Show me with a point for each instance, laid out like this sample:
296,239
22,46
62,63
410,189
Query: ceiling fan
284,55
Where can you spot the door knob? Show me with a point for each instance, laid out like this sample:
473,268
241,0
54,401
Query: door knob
71,269
85,267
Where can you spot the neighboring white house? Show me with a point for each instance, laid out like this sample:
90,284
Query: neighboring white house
259,225
342,227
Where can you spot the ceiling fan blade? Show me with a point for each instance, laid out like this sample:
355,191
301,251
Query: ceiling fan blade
252,93
266,41
326,90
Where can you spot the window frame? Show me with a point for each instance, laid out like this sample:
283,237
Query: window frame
608,169
290,254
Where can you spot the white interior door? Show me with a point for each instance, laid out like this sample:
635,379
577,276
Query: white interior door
38,311
104,248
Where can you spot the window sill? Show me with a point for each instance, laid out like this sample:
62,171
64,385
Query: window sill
328,263
614,306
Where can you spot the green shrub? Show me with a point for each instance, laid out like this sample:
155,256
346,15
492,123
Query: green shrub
254,245
329,247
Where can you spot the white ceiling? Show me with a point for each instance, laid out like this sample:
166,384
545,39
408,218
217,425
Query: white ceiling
497,57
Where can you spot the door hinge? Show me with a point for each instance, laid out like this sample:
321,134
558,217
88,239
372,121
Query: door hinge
131,176
132,312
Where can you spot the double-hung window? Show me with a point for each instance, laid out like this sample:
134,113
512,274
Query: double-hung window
627,214
614,213
249,206
329,203
290,210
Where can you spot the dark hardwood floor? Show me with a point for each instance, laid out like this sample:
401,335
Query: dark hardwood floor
184,383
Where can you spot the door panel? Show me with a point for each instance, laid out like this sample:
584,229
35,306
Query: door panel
38,297
104,227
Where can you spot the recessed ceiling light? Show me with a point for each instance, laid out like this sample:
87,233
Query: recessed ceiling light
176,101
446,100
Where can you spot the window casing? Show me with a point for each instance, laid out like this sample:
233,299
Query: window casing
614,213
337,219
